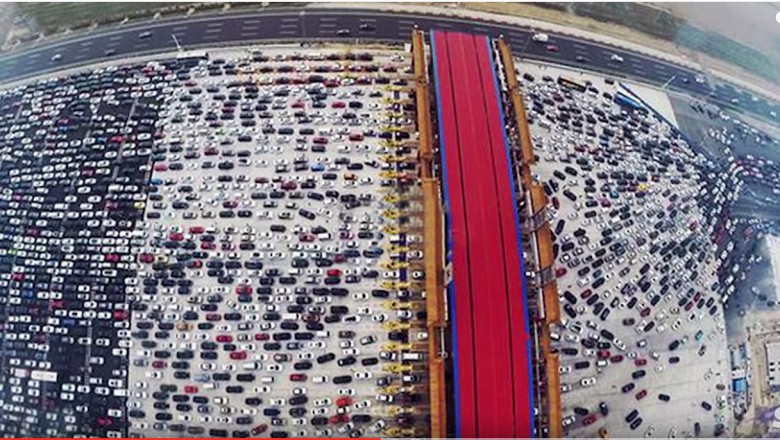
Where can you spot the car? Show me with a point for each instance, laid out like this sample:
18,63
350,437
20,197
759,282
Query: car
551,48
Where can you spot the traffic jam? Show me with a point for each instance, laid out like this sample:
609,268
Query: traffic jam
642,324
279,292
223,247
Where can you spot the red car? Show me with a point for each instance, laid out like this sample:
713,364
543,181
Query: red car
197,229
645,312
159,364
356,137
298,377
552,48
190,389
262,336
224,338
243,289
334,272
344,401
338,104
603,354
113,258
559,272
616,358
208,245
238,355
176,236
586,294
641,395
213,317
161,167
640,362
146,258
339,418
259,429
590,419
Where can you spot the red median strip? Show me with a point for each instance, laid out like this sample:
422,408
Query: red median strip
516,310
465,358
492,359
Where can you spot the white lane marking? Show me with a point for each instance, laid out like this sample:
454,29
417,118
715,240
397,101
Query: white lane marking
179,28
252,21
213,31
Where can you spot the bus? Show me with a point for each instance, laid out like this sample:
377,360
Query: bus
566,82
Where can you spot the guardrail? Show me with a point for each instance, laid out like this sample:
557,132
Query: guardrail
433,246
545,258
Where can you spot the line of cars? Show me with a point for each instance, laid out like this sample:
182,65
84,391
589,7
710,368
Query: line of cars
279,290
633,260
74,161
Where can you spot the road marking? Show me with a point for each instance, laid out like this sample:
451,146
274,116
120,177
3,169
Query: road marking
213,31
211,37
250,28
252,21
179,28
288,25
248,34
328,18
116,37
86,43
35,55
141,46
211,25
328,25
288,33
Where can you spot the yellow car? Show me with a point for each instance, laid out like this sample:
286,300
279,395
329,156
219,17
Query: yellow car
398,368
391,229
395,325
389,174
397,305
398,410
394,346
391,214
139,205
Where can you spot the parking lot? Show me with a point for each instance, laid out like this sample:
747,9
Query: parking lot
279,293
642,344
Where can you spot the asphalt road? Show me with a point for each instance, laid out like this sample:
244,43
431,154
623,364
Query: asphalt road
322,24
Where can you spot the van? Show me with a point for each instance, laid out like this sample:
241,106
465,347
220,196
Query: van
266,379
409,356
251,366
322,334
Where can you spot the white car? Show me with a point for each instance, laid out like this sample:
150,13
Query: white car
588,381
615,58
363,375
323,402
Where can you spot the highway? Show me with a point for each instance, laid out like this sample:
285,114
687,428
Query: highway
319,24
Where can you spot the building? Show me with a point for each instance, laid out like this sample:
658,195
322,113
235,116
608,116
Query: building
773,363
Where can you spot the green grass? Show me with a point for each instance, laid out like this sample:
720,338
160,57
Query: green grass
54,17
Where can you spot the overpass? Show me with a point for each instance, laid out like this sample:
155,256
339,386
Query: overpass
487,301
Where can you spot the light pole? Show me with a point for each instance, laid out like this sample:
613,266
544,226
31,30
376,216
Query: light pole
663,87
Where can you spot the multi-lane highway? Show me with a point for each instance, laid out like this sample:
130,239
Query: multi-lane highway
319,24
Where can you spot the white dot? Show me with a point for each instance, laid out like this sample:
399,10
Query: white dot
777,17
